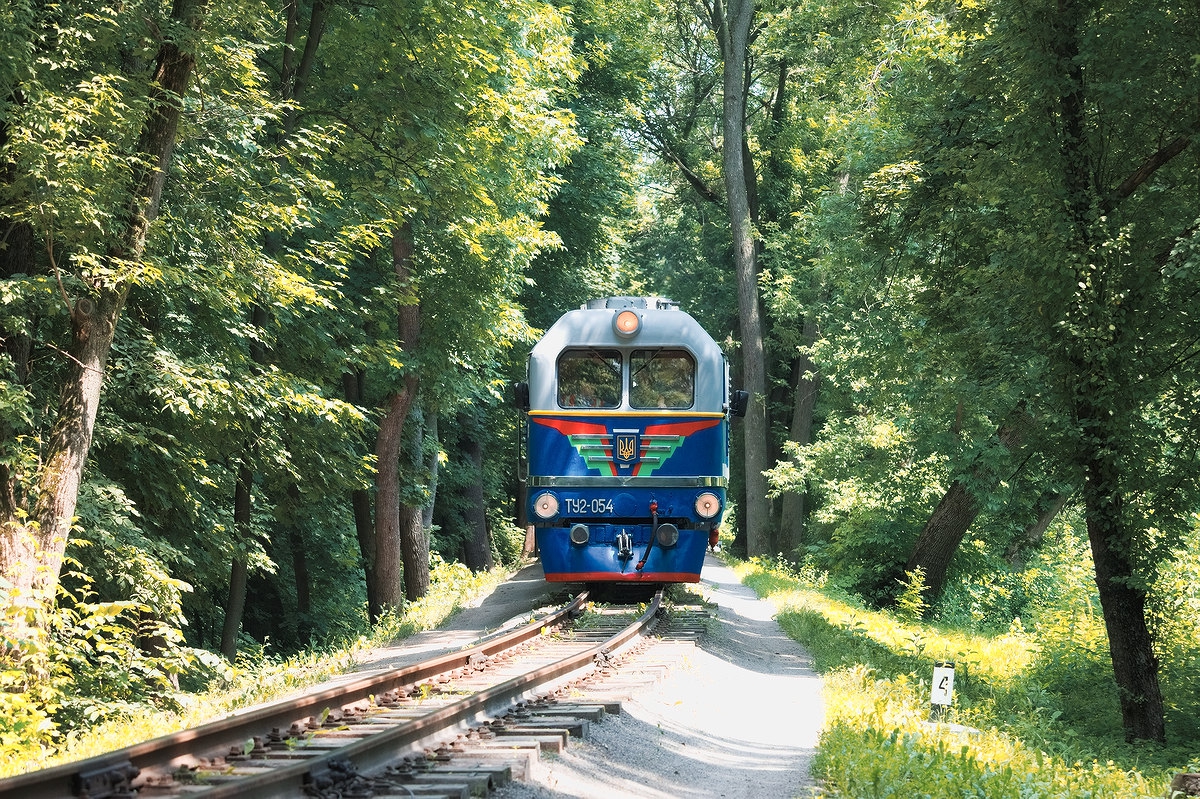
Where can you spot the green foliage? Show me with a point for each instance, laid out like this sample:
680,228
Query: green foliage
968,246
452,585
908,764
591,211
873,489
508,539
28,695
92,661
129,713
911,600
1015,740
913,203
106,654
1174,616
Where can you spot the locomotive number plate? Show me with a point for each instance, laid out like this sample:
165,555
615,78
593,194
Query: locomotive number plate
592,506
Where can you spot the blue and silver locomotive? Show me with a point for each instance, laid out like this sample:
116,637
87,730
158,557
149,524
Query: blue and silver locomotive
628,409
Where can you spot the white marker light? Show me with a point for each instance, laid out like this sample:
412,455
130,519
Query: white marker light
546,505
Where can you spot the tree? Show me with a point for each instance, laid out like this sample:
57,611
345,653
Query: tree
456,176
103,268
958,508
677,127
1010,208
591,210
732,23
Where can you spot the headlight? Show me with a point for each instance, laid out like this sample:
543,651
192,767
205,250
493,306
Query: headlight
667,534
546,506
579,534
707,505
627,323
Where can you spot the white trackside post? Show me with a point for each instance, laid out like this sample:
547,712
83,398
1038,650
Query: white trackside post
941,692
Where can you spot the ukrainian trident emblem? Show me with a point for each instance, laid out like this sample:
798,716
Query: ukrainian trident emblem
625,447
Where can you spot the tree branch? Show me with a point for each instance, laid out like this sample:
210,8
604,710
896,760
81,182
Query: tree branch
705,191
1148,168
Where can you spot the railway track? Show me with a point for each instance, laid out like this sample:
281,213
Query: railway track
454,725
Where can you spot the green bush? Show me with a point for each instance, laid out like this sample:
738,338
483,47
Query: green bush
508,540
1174,616
910,602
82,663
29,692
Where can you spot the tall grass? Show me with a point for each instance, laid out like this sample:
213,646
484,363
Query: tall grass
1034,712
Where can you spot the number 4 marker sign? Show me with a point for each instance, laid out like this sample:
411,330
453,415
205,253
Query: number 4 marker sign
942,690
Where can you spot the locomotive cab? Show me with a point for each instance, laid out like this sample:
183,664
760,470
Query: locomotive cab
627,407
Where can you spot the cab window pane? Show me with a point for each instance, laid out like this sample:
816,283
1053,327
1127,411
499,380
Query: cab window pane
589,379
662,379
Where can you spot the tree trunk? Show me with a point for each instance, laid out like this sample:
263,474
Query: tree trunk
941,536
364,519
387,555
1047,507
477,548
794,510
414,532
292,76
414,543
431,466
242,505
303,584
1135,666
300,572
956,512
364,527
239,575
34,565
733,29
235,607
1131,649
389,528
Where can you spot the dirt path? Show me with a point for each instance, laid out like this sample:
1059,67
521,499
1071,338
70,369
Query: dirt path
740,720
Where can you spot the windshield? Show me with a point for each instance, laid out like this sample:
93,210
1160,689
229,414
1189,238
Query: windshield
662,378
589,379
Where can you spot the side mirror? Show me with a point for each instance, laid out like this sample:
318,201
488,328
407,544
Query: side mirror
738,402
521,396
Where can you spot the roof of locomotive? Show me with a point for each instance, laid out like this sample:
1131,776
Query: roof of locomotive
663,325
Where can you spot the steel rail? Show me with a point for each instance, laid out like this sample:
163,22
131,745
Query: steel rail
215,739
381,748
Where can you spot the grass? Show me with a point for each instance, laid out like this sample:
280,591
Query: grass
1007,733
257,678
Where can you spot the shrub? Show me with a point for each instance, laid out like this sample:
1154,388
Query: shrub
911,600
29,693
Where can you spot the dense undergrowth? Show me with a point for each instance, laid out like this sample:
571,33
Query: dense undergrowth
91,685
1034,713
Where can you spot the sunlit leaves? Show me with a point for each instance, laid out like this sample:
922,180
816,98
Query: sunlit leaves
468,156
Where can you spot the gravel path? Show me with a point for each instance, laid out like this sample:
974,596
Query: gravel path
739,721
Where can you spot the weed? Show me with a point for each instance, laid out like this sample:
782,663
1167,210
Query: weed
911,600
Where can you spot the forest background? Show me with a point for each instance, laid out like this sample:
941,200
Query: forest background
268,269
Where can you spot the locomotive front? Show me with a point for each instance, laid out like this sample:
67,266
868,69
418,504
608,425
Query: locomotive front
628,444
